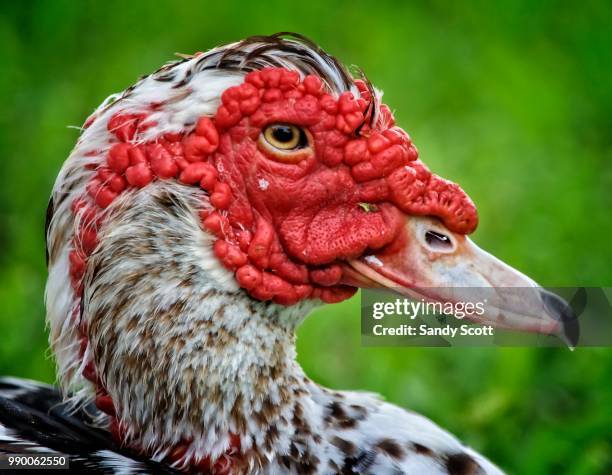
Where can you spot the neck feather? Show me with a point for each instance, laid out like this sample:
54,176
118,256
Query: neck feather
186,357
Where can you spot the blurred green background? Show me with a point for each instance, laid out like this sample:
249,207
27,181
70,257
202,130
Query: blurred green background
511,99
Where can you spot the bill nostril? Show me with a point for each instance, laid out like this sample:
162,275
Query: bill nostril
438,241
561,311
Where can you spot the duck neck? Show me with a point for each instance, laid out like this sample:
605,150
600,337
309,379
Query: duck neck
197,371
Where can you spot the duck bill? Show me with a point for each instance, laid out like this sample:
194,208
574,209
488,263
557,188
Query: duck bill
429,262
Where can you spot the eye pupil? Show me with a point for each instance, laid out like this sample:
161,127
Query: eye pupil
438,240
285,137
283,133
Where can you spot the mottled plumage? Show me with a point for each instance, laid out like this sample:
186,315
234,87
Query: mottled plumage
166,359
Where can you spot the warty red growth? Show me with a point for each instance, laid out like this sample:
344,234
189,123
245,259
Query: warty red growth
344,194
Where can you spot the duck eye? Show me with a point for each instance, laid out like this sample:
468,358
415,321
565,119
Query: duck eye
285,137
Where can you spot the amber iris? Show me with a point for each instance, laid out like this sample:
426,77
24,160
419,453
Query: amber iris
285,136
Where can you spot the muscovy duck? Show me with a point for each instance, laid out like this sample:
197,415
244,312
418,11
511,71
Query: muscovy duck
203,213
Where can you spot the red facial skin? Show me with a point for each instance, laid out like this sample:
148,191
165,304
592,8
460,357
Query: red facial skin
283,222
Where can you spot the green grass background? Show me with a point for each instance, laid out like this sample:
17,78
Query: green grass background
511,99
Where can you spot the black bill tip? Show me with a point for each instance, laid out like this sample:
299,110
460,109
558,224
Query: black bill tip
561,311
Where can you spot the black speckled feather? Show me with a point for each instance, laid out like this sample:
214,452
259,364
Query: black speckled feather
33,420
